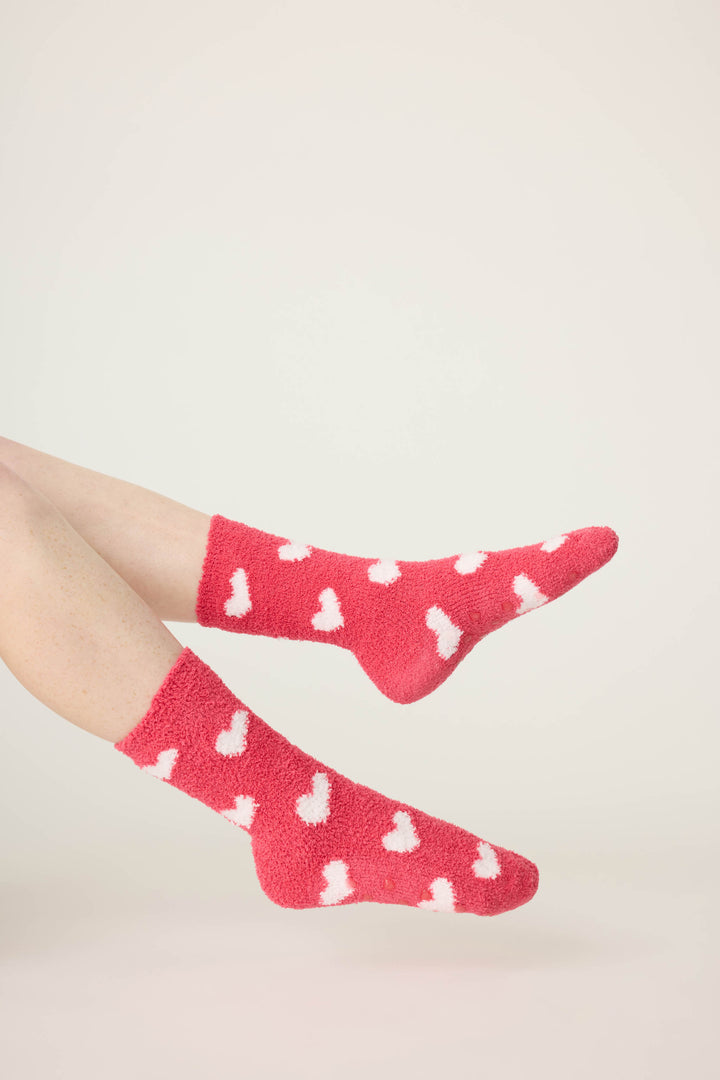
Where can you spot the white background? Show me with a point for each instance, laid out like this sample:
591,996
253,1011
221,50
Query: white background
398,279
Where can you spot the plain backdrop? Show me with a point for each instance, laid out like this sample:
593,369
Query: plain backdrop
398,279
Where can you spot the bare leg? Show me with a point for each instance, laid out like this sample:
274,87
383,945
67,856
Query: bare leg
156,544
72,631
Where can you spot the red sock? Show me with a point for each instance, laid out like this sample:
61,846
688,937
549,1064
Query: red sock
408,623
318,839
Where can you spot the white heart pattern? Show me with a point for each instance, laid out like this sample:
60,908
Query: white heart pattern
487,866
384,572
243,812
292,552
314,807
403,837
239,602
468,564
338,882
443,896
232,741
529,593
164,765
554,544
329,617
448,634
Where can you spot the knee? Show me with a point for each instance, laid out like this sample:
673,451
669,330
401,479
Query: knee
20,502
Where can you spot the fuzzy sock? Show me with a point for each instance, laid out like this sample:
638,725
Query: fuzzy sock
318,839
409,624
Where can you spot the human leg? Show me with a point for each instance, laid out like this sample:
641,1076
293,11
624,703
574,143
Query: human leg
155,543
73,631
409,624
80,640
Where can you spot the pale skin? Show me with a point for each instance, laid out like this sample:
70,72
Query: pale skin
89,567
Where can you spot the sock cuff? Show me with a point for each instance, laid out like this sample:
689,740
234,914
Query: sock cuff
204,601
178,708
226,539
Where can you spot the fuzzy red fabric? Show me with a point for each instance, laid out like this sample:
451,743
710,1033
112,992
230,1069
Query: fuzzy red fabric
318,839
408,623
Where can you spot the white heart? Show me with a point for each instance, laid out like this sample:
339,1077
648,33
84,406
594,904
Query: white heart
329,617
468,564
448,634
231,742
164,765
529,593
487,866
403,837
384,572
243,812
554,544
338,882
315,806
443,897
239,602
292,552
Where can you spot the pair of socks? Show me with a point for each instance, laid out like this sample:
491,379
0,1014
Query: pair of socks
318,838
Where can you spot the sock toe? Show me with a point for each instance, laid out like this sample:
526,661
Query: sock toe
590,549
514,886
563,562
521,884
605,542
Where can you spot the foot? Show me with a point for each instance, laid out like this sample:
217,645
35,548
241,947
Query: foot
318,839
409,624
